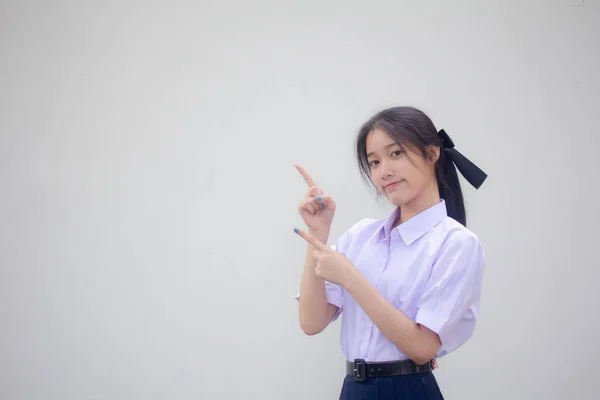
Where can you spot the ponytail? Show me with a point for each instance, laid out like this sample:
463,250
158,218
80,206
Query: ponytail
449,188
447,177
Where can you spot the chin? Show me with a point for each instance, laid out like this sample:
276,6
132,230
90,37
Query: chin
398,200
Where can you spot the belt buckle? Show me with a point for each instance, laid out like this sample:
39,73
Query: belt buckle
360,370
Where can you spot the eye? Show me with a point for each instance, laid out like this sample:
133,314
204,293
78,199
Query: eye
373,163
396,152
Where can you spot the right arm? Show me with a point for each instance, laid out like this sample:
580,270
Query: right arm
315,312
317,210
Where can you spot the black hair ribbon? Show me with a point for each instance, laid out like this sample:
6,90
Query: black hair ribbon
472,173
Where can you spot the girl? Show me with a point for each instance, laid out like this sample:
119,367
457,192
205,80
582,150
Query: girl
408,286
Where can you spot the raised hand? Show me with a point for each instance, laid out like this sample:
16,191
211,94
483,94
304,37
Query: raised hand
316,208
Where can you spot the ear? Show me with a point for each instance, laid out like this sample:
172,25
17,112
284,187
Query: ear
434,153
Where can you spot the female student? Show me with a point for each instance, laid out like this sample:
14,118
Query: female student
408,286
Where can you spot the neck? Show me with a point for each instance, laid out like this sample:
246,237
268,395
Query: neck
428,198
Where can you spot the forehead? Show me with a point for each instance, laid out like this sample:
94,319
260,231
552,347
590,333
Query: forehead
378,140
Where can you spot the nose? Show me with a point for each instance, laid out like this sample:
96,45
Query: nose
386,171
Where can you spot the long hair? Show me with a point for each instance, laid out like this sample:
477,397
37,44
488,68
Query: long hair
411,127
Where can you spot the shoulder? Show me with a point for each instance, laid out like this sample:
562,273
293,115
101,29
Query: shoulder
458,242
365,224
365,227
454,233
359,232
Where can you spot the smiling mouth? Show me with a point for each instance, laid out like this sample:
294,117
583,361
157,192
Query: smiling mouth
392,185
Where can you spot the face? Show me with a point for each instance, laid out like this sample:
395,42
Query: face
400,174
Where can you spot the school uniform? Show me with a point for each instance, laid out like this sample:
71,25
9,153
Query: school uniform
431,269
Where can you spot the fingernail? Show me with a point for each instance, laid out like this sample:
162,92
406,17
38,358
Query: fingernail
315,213
296,230
319,198
322,205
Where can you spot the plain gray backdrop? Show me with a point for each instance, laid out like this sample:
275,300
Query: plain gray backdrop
149,196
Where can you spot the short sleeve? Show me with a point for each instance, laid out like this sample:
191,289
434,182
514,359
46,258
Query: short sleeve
450,302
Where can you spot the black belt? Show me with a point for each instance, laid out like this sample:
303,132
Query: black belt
361,370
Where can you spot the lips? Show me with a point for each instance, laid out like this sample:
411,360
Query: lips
392,185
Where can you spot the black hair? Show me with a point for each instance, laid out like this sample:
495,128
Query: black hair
411,127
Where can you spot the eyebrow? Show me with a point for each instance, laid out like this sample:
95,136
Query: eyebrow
386,147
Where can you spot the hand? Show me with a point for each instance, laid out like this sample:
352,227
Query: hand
316,208
329,264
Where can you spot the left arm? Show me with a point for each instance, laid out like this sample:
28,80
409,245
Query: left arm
416,341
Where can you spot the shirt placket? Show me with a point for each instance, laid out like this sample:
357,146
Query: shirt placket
383,248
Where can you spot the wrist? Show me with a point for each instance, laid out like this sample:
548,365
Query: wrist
321,235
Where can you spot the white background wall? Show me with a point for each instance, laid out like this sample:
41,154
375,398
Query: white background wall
149,195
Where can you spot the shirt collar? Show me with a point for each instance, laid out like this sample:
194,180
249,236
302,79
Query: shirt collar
418,225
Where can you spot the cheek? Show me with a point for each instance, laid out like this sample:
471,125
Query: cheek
420,178
412,174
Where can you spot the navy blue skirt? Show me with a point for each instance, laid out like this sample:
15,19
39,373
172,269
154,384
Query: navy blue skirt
421,386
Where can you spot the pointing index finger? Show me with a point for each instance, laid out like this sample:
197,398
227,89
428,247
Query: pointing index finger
309,238
307,178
